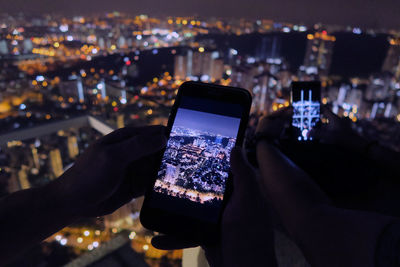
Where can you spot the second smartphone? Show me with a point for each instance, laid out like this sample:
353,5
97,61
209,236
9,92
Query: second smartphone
193,181
306,98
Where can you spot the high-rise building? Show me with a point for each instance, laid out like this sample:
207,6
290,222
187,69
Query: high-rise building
56,163
102,43
81,95
392,60
319,52
120,121
199,142
73,88
73,149
269,48
102,87
121,42
231,143
217,69
172,173
3,47
183,66
197,64
243,77
28,46
261,101
205,65
23,178
35,157
180,67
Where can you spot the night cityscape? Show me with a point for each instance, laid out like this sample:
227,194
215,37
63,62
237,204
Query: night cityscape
195,165
67,80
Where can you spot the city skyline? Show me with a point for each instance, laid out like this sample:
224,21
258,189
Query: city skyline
125,69
382,14
207,122
195,164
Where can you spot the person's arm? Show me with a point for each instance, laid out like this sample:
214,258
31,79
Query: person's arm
388,159
29,216
117,168
246,237
328,236
339,132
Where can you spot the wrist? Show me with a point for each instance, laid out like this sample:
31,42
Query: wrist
58,201
265,144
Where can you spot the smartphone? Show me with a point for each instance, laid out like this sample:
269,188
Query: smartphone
306,102
193,182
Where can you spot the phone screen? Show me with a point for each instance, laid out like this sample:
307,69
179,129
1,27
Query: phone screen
192,178
306,108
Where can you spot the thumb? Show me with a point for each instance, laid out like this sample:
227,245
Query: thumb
166,242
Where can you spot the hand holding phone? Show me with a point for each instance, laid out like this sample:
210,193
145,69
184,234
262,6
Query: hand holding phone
245,218
193,181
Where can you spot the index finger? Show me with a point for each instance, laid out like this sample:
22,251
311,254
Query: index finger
128,132
166,242
139,146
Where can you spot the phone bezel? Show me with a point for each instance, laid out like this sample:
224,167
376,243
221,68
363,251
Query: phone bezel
177,224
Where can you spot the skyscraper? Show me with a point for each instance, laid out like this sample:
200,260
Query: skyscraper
35,157
218,139
180,67
217,69
56,163
172,173
23,178
392,60
3,47
73,149
319,52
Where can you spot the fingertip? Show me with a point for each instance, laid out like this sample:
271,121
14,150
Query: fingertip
165,242
155,242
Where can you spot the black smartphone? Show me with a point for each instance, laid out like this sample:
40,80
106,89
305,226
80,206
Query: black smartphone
306,102
193,181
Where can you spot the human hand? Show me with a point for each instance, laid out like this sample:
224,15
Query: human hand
275,124
112,171
246,236
327,235
337,131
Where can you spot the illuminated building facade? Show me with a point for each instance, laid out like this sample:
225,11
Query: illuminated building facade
392,60
319,52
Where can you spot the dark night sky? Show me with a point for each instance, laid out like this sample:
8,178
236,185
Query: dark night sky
372,13
207,122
